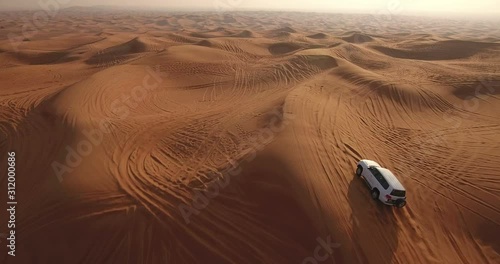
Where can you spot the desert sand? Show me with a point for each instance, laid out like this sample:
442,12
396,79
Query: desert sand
149,137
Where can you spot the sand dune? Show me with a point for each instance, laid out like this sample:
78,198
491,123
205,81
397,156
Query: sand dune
233,137
440,50
358,38
244,34
283,48
40,58
318,36
118,52
285,29
205,43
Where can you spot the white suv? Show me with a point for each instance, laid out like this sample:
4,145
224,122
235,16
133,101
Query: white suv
384,185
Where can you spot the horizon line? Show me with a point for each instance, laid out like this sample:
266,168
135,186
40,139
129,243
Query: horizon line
488,15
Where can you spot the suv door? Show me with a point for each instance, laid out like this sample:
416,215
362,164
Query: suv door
372,181
380,181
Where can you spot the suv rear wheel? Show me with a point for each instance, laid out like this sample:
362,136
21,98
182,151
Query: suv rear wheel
375,194
359,170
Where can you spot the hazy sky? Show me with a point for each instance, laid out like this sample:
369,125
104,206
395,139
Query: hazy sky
365,6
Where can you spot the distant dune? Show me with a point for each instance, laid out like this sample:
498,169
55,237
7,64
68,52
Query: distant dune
286,29
318,36
440,50
244,34
284,47
233,137
358,38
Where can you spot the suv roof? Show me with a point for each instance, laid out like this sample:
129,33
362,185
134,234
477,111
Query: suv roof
391,179
371,163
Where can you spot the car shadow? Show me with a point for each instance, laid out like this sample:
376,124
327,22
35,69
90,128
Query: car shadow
375,229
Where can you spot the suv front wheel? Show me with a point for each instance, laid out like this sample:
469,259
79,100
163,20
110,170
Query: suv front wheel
359,170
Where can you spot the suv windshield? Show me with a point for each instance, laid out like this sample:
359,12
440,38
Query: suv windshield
398,193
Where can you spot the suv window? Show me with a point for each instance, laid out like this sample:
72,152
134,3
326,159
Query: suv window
398,193
379,177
